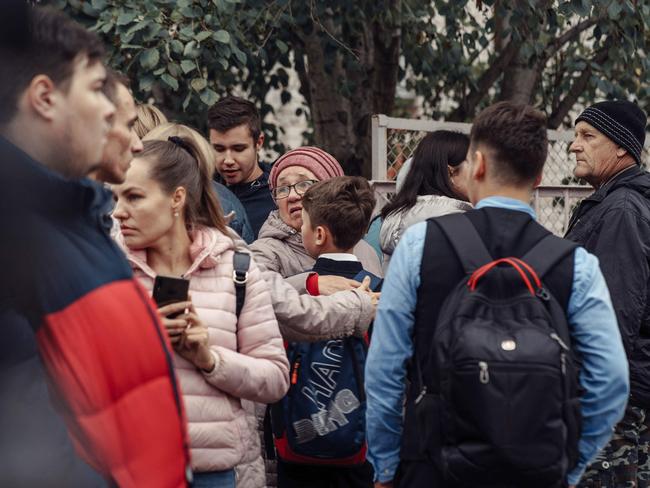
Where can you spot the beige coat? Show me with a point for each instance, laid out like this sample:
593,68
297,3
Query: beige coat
305,318
251,362
279,248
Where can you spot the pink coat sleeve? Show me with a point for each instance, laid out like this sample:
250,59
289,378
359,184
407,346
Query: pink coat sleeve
259,371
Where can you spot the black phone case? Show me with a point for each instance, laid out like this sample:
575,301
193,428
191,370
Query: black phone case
167,289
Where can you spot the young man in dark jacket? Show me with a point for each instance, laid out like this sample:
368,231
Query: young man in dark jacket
100,342
237,137
614,224
508,147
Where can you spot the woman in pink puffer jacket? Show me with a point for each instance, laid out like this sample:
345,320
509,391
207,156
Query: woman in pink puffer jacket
171,224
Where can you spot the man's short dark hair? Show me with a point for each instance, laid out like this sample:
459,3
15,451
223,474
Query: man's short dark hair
113,79
517,135
53,44
344,205
231,112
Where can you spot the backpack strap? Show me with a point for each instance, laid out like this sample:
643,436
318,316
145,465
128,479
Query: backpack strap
241,261
269,441
470,249
465,240
357,368
547,253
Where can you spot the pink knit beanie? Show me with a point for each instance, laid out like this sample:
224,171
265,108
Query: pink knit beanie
322,164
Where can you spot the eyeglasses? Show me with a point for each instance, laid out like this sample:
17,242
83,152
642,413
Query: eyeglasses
301,187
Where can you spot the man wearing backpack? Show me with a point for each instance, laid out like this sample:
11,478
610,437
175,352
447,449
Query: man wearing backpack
614,224
489,352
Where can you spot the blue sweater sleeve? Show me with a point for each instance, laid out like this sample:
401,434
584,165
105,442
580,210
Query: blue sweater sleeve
390,349
604,374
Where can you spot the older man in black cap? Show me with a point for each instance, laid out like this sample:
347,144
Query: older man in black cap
614,224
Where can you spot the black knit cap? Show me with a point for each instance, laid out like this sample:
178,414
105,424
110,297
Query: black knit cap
622,121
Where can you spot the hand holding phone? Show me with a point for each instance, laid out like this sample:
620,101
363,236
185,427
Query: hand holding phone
176,326
193,344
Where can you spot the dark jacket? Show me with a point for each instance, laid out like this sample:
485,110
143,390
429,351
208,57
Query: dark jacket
103,349
614,224
256,198
347,269
230,203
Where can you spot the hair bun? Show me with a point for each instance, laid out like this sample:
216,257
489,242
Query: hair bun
180,142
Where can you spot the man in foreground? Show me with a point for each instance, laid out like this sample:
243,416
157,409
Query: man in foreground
100,341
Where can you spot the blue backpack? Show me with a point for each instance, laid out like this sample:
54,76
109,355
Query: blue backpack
321,420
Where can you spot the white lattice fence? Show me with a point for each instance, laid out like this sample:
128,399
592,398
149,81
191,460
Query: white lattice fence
394,140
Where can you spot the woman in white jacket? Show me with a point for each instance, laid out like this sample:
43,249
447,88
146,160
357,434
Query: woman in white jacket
434,186
171,224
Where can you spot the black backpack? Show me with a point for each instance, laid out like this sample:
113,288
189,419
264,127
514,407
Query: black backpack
502,392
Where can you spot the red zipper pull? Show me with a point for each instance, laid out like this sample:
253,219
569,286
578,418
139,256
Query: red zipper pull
294,374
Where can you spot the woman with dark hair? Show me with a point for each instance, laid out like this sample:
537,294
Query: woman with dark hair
434,186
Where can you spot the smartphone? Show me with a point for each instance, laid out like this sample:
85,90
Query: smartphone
167,289
375,282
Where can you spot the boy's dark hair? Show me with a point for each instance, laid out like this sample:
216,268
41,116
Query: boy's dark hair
517,135
51,46
113,79
231,112
344,205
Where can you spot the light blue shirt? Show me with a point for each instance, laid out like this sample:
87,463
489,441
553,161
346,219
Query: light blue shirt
594,333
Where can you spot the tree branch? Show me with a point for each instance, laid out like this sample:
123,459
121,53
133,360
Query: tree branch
572,33
303,75
559,77
477,53
485,82
577,88
259,16
272,29
320,24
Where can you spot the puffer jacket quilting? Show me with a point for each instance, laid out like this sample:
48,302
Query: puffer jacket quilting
253,474
250,356
426,207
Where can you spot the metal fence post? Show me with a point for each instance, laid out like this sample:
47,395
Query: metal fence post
379,148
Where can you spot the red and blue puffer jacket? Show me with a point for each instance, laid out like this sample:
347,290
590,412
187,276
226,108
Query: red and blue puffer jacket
104,351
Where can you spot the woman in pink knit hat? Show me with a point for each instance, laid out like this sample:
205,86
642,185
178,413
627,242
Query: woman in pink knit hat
279,246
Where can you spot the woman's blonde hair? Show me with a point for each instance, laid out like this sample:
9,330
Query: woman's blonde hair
180,156
164,131
149,117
